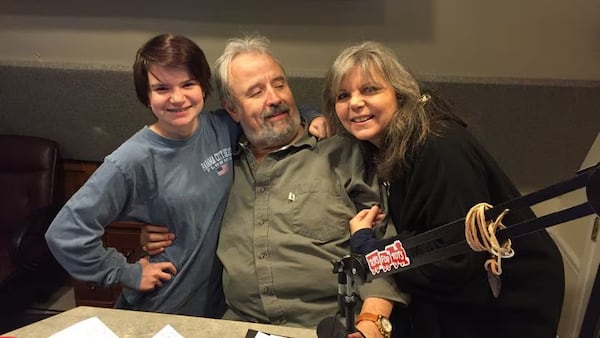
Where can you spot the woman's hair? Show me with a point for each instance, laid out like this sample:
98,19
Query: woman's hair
168,50
249,44
411,124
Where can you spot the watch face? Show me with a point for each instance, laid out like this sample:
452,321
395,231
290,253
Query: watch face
386,325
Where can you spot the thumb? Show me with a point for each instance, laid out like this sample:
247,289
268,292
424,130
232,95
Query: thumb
144,261
372,214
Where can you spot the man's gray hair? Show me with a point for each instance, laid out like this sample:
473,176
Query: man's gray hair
248,44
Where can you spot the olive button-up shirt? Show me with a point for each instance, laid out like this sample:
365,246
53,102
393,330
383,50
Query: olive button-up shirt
286,220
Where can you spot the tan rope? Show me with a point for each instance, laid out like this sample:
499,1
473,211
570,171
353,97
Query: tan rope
481,236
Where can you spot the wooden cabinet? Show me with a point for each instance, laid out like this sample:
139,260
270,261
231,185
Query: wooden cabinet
123,236
76,174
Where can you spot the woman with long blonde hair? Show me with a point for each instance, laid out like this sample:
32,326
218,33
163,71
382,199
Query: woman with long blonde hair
434,171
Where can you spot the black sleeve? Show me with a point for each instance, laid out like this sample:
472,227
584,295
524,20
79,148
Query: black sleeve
447,178
363,241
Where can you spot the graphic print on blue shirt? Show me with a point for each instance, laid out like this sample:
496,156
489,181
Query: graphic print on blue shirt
218,161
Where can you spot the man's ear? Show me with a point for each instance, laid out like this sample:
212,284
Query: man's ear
232,112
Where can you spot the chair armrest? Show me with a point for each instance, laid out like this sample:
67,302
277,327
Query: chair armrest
28,244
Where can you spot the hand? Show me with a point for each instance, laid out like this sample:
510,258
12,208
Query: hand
372,305
366,219
155,238
153,274
319,127
367,330
356,335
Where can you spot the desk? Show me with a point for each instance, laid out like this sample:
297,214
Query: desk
146,324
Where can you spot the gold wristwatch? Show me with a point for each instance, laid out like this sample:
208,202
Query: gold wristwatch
383,323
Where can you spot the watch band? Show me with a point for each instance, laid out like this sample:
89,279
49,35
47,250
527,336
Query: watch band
371,317
382,322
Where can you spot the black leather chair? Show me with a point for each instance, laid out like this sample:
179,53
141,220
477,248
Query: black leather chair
31,192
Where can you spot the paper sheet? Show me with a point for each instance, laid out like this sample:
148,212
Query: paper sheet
89,328
167,332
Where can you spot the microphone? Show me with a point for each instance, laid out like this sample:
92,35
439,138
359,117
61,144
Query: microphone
330,327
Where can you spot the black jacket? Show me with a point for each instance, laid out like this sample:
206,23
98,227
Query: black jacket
452,298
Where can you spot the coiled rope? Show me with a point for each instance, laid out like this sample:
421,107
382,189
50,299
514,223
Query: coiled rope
481,236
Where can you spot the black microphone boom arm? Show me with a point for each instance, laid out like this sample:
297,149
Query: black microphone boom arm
391,256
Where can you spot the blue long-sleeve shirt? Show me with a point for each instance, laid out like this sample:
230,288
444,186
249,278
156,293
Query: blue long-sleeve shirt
182,184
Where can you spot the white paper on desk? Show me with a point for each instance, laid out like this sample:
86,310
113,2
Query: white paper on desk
167,332
266,335
89,328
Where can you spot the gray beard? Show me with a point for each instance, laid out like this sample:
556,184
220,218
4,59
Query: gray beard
274,135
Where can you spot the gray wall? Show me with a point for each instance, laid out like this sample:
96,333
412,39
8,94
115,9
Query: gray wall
533,39
524,73
539,132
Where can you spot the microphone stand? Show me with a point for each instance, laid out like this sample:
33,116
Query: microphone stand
346,268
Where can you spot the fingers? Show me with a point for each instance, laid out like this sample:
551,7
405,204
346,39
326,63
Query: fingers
148,250
362,214
163,269
319,127
323,131
318,132
371,214
355,335
155,228
146,237
168,266
365,219
166,271
155,274
158,237
380,216
162,277
155,248
154,239
366,328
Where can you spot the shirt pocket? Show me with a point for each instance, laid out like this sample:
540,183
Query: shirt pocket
321,211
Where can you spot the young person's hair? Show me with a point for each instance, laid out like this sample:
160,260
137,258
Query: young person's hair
169,50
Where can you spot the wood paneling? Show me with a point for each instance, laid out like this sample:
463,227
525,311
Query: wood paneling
76,174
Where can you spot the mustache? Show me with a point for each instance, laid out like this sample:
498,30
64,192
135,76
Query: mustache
275,110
